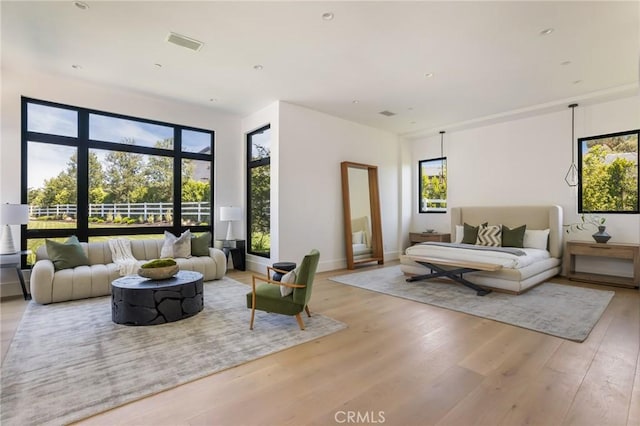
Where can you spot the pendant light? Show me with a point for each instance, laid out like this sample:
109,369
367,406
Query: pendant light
441,156
572,175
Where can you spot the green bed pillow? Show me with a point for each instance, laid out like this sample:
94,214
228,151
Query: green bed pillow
513,237
66,255
200,244
470,233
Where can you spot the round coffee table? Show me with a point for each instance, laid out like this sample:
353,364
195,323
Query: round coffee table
136,300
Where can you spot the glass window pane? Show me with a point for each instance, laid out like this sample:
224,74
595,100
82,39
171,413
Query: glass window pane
609,173
52,185
52,120
34,243
260,217
260,144
128,189
433,186
196,192
194,141
129,132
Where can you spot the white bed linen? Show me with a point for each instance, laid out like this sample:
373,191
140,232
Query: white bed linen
361,249
506,260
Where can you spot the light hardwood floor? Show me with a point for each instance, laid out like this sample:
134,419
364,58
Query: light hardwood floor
401,362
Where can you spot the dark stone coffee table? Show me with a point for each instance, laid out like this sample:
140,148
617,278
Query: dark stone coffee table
137,300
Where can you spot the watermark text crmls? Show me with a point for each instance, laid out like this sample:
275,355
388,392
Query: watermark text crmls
359,417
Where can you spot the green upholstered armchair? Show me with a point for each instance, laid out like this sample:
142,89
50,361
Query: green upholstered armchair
267,297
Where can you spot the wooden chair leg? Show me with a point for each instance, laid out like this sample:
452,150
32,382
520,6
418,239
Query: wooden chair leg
253,313
306,309
299,319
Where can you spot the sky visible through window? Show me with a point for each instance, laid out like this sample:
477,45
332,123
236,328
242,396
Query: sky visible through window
47,160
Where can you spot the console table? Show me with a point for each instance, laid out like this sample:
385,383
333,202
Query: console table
14,261
610,250
423,237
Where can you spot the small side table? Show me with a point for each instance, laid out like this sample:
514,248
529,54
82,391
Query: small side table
235,248
14,261
423,237
283,266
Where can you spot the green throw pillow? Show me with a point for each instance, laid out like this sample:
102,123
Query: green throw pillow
200,244
66,255
470,234
513,237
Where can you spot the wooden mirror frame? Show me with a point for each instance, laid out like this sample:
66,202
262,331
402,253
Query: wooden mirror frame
377,250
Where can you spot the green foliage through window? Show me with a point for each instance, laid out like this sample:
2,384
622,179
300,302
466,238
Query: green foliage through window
608,173
433,185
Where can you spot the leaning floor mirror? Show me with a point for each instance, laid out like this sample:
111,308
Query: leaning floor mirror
362,222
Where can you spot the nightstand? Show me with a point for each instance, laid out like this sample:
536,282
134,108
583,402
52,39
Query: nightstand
14,261
423,237
629,252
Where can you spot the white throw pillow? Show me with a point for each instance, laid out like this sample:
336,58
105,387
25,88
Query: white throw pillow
534,238
176,246
459,234
289,278
357,237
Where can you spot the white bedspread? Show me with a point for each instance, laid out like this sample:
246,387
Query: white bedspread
506,260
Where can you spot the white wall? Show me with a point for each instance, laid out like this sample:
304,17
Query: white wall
228,173
306,210
522,162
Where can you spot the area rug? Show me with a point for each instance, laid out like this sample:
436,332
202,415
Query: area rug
69,361
559,310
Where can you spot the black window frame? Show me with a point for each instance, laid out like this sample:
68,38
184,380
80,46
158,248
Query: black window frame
84,145
580,143
251,164
443,166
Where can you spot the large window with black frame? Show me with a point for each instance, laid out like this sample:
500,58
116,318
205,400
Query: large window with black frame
608,173
259,191
98,175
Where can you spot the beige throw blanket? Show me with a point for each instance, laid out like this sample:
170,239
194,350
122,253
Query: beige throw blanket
122,256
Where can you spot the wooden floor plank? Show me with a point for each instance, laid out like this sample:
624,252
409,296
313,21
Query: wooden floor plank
415,363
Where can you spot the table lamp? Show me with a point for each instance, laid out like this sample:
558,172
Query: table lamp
11,214
230,214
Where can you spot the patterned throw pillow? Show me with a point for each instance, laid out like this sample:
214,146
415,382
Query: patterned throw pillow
176,246
490,235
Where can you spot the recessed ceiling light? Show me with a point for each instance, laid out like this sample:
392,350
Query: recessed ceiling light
429,75
565,63
577,82
546,31
328,16
410,108
412,122
213,100
258,67
158,65
355,101
81,5
76,67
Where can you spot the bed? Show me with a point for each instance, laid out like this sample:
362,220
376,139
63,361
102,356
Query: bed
513,270
361,238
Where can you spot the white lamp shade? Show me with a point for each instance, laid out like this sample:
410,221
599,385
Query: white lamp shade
14,214
230,213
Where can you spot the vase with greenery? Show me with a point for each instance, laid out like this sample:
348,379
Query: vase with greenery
591,221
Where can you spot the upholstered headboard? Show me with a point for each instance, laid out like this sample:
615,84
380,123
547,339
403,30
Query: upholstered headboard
535,217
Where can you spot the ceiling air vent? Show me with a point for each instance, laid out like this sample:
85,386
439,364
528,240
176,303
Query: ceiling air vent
184,41
387,113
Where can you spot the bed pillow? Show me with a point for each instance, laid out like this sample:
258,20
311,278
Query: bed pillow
534,238
357,237
471,233
66,255
289,278
490,236
513,237
200,244
176,246
459,234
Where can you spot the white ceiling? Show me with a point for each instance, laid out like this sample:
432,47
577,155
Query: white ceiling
488,59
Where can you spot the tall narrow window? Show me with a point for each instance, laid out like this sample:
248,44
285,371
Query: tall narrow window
608,173
433,185
98,175
259,191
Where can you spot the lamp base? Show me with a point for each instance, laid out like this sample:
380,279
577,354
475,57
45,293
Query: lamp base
230,236
6,241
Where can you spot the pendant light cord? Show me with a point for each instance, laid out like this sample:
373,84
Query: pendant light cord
573,127
441,139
